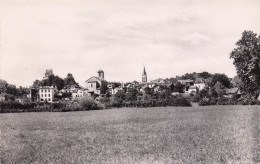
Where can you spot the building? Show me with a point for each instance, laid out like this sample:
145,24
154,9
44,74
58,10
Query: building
192,89
96,85
46,93
34,94
144,76
199,82
78,93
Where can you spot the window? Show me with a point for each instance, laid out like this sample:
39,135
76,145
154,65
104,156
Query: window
45,95
49,95
49,99
49,90
42,95
45,90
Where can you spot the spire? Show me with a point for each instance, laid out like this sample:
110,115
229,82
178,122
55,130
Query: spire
144,73
144,76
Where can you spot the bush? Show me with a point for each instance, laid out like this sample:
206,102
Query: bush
88,103
178,101
196,98
204,102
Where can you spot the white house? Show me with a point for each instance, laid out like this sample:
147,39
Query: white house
46,93
192,89
199,82
78,93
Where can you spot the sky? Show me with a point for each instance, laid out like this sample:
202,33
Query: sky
169,38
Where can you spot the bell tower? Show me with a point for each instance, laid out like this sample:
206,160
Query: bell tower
144,76
101,74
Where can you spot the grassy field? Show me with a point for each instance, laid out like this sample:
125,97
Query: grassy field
215,134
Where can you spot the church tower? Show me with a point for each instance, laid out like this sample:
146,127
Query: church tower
144,76
101,74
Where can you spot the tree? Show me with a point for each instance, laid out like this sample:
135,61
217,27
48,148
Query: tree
178,87
148,91
12,90
131,94
48,73
37,83
205,75
58,82
222,78
119,97
69,80
246,57
3,86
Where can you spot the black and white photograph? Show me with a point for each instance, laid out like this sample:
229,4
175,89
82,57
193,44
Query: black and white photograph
130,81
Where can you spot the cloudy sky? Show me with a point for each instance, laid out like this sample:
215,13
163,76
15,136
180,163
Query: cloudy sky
169,37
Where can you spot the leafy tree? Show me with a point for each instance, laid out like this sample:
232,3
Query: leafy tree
119,96
178,87
222,78
48,73
3,86
12,90
148,91
69,80
131,94
58,82
219,89
37,83
204,93
205,75
22,91
246,57
188,76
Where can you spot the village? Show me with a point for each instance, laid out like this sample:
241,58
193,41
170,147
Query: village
98,87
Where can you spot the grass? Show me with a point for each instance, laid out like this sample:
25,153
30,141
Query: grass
215,134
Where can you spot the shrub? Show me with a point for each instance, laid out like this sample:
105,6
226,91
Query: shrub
86,103
204,102
196,98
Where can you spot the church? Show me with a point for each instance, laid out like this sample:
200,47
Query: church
144,76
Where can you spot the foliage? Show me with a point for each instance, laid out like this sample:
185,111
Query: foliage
69,80
246,57
196,98
131,94
204,75
178,87
221,78
87,103
54,80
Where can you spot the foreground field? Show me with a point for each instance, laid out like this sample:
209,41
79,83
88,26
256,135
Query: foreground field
216,134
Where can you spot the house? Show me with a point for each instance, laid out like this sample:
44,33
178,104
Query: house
192,90
96,85
78,93
46,93
231,92
187,82
161,81
199,83
158,81
117,90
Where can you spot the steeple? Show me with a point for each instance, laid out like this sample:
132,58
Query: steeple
144,76
144,72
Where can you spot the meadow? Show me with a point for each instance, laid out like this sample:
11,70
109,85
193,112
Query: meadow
211,134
